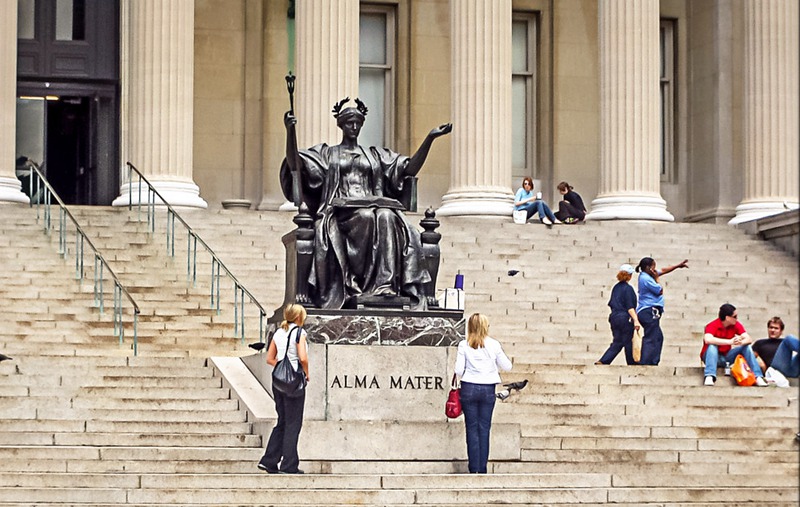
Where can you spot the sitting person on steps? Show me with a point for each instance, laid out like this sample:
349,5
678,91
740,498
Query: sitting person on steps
724,339
777,355
571,209
526,199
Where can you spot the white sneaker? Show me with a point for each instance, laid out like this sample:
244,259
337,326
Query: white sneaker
773,376
546,221
709,381
760,382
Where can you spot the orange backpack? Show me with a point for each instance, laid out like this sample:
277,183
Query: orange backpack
742,373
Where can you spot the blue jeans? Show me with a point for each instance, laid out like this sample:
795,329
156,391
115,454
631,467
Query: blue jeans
477,403
713,359
653,338
783,360
622,331
539,207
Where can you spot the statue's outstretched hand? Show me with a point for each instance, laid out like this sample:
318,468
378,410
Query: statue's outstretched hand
441,130
289,119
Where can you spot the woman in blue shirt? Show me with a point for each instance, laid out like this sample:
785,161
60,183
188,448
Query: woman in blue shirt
526,200
651,307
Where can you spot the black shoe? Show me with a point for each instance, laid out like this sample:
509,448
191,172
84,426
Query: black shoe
267,469
298,471
517,385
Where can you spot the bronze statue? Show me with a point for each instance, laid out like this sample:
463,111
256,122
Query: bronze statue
363,245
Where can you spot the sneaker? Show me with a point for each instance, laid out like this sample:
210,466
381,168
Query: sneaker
760,382
546,221
502,395
773,376
267,469
571,220
709,381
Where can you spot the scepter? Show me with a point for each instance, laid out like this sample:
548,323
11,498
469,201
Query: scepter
291,146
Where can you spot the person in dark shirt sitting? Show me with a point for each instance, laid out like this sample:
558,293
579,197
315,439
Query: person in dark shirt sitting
777,355
623,319
570,209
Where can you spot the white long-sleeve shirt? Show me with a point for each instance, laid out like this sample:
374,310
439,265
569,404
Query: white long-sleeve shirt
480,366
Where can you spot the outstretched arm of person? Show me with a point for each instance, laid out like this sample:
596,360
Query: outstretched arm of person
418,159
682,264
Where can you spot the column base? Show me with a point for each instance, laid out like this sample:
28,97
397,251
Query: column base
630,207
176,193
747,211
11,191
477,203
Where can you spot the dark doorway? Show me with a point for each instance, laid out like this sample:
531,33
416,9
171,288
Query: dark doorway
68,166
68,95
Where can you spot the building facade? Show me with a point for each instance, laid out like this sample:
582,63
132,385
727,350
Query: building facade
652,109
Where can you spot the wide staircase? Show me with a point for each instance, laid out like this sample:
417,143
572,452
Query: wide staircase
83,421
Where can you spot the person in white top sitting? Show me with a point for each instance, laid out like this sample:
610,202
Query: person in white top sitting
477,363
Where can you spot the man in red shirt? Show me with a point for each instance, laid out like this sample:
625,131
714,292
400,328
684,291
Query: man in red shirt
724,339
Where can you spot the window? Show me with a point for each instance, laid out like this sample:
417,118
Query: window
667,90
376,73
26,19
70,19
523,97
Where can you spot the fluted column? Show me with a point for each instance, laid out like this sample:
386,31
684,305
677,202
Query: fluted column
481,144
10,188
327,66
630,181
771,129
160,101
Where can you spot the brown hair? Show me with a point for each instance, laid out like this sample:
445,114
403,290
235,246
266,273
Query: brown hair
477,329
293,313
776,320
529,180
564,186
623,276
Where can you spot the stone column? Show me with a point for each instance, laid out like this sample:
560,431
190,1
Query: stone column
481,145
10,188
630,181
327,68
771,128
158,133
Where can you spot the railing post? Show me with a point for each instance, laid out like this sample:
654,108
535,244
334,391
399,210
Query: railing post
62,233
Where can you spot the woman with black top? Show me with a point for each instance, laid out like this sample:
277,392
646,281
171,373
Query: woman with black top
570,209
623,319
289,340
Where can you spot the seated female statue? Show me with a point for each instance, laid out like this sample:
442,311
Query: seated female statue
363,244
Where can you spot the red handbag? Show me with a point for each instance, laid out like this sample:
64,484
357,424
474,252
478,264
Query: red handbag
452,408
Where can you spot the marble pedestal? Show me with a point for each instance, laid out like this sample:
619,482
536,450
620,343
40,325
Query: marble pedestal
376,365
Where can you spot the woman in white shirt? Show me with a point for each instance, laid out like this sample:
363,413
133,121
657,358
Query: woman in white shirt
289,339
477,363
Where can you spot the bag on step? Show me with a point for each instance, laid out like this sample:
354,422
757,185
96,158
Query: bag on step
637,346
285,378
452,408
520,216
742,373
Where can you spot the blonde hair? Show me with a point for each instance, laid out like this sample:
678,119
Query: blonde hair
477,329
623,276
293,313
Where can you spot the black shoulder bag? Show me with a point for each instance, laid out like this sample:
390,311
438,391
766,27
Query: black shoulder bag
285,379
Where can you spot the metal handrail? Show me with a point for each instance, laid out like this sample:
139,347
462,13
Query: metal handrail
191,255
47,192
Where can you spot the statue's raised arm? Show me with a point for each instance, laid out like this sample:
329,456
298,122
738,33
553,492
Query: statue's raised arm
418,159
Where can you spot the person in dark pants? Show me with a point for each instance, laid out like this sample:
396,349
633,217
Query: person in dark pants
623,319
290,339
651,307
571,209
477,363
